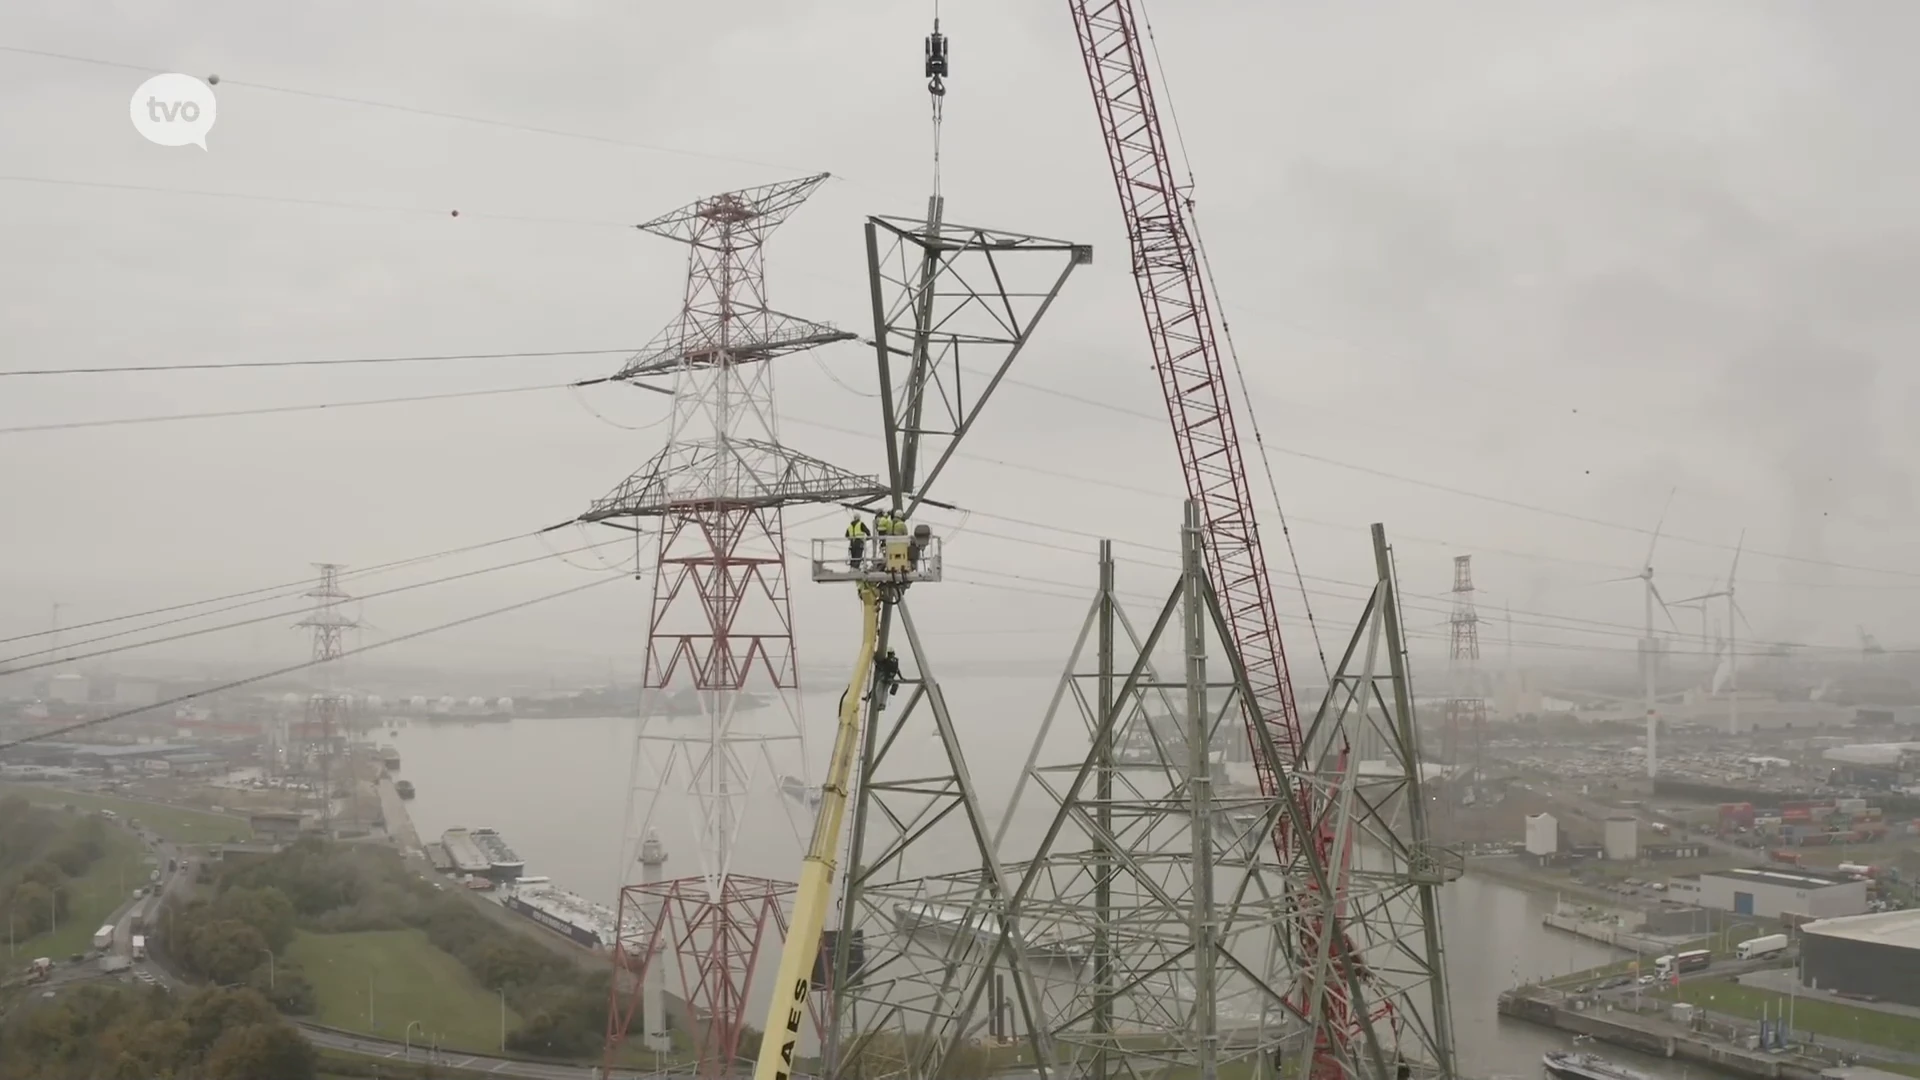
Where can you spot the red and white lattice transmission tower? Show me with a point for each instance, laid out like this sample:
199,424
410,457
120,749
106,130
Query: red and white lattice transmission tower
1464,736
720,636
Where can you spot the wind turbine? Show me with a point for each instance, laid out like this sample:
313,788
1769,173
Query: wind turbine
1650,646
1699,603
1734,614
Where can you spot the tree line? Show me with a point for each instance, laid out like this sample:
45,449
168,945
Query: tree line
324,887
41,850
106,1032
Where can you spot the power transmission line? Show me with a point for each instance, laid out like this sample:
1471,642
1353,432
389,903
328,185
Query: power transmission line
73,425
229,365
280,590
1361,468
296,200
69,657
83,725
437,114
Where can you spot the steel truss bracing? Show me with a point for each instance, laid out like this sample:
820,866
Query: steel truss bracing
1160,931
953,307
720,641
705,937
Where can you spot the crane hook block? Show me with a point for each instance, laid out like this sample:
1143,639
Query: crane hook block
936,57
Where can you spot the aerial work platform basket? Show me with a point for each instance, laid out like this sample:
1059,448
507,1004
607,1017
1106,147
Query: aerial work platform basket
883,560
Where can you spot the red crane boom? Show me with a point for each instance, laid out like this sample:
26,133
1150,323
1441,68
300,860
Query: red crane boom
1168,270
1173,296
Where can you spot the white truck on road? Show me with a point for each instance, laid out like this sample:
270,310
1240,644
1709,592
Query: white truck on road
103,937
1754,948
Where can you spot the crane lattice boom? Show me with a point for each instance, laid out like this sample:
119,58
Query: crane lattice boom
1180,326
1168,270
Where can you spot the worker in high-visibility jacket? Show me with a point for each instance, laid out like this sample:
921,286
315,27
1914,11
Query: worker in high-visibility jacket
886,670
882,522
856,542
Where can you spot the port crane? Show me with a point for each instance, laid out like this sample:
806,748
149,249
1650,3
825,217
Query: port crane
1177,302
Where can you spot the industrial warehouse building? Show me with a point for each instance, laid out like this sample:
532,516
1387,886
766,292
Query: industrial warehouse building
1770,894
1620,838
1875,955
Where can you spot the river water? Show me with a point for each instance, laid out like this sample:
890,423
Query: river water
558,789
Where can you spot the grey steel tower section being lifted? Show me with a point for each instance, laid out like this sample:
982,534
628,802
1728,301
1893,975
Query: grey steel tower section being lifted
953,308
721,625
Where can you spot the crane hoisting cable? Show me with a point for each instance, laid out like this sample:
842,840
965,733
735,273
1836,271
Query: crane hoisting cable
900,558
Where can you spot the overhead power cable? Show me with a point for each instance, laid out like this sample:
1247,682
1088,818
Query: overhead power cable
438,114
1100,481
179,699
270,410
1452,490
67,657
280,590
229,365
450,212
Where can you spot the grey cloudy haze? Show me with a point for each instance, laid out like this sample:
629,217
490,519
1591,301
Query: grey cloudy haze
1569,255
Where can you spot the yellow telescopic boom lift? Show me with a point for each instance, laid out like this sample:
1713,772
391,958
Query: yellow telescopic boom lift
899,561
790,987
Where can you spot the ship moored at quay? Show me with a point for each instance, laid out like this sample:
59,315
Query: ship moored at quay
463,853
568,914
502,863
481,852
1566,1065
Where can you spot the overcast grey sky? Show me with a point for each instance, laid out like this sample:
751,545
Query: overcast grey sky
1568,255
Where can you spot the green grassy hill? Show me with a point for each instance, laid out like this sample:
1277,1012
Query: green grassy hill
380,981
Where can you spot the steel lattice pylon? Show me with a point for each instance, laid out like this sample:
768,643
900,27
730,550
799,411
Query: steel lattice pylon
720,633
326,708
1465,726
954,307
1162,932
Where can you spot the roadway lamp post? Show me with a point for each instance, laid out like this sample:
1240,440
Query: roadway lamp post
503,1019
1726,934
407,1044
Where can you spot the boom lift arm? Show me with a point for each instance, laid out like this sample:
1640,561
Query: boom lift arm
794,980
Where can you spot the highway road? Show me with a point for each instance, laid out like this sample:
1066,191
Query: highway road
380,1048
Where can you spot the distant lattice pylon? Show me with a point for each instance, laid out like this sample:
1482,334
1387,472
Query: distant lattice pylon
325,707
1466,717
